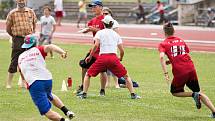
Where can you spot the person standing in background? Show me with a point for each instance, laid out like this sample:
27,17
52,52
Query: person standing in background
160,9
20,22
48,27
82,12
58,5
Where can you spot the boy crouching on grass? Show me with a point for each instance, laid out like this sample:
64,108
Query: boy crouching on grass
32,66
183,69
108,41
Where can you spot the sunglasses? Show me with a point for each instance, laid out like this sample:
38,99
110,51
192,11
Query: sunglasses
105,13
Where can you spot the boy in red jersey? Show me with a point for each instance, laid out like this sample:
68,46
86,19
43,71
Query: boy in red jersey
183,69
108,41
94,25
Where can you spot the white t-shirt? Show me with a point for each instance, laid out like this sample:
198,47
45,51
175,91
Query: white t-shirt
115,24
47,24
58,5
109,40
33,66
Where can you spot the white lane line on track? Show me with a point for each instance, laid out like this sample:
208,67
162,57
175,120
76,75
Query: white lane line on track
88,36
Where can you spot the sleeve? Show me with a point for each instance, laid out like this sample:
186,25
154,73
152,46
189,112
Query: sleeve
34,16
161,48
119,40
187,48
9,19
89,23
53,21
97,36
115,24
42,51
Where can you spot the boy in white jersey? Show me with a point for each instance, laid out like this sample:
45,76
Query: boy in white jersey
108,41
32,66
48,27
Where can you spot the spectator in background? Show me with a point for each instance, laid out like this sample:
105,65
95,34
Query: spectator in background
211,17
58,5
160,9
20,22
48,27
140,14
82,12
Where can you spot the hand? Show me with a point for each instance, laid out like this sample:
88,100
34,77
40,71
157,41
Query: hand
87,60
93,29
168,62
64,55
167,78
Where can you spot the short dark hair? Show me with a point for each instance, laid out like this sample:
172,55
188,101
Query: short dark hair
168,29
47,7
109,26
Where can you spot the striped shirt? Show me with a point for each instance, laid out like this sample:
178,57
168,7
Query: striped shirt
22,22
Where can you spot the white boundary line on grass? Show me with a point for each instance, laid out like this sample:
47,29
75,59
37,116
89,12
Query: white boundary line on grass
87,36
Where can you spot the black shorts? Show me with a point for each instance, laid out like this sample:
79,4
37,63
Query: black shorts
85,65
190,80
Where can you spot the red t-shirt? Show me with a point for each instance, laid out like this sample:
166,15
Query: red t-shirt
178,54
41,49
97,23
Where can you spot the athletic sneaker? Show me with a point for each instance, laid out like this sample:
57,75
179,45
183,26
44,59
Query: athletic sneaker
83,96
212,115
67,119
135,96
102,92
196,98
80,89
70,115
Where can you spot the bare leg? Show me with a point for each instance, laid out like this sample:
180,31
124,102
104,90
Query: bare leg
183,94
54,116
103,79
84,71
108,81
86,83
57,102
204,98
51,54
9,80
60,19
129,84
116,81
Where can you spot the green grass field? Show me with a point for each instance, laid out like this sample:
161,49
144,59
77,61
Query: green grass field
157,104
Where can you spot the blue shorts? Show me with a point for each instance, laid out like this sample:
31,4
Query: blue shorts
41,93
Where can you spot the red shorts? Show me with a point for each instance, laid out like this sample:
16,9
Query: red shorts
107,61
190,79
59,13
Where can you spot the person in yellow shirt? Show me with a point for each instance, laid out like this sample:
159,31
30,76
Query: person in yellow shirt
82,12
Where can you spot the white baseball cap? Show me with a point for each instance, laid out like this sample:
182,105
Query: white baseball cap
107,19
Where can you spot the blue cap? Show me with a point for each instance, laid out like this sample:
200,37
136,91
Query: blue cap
29,41
95,3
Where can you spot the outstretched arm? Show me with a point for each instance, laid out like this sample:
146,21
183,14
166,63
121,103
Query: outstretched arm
55,48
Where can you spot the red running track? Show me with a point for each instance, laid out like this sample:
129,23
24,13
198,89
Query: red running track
146,36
